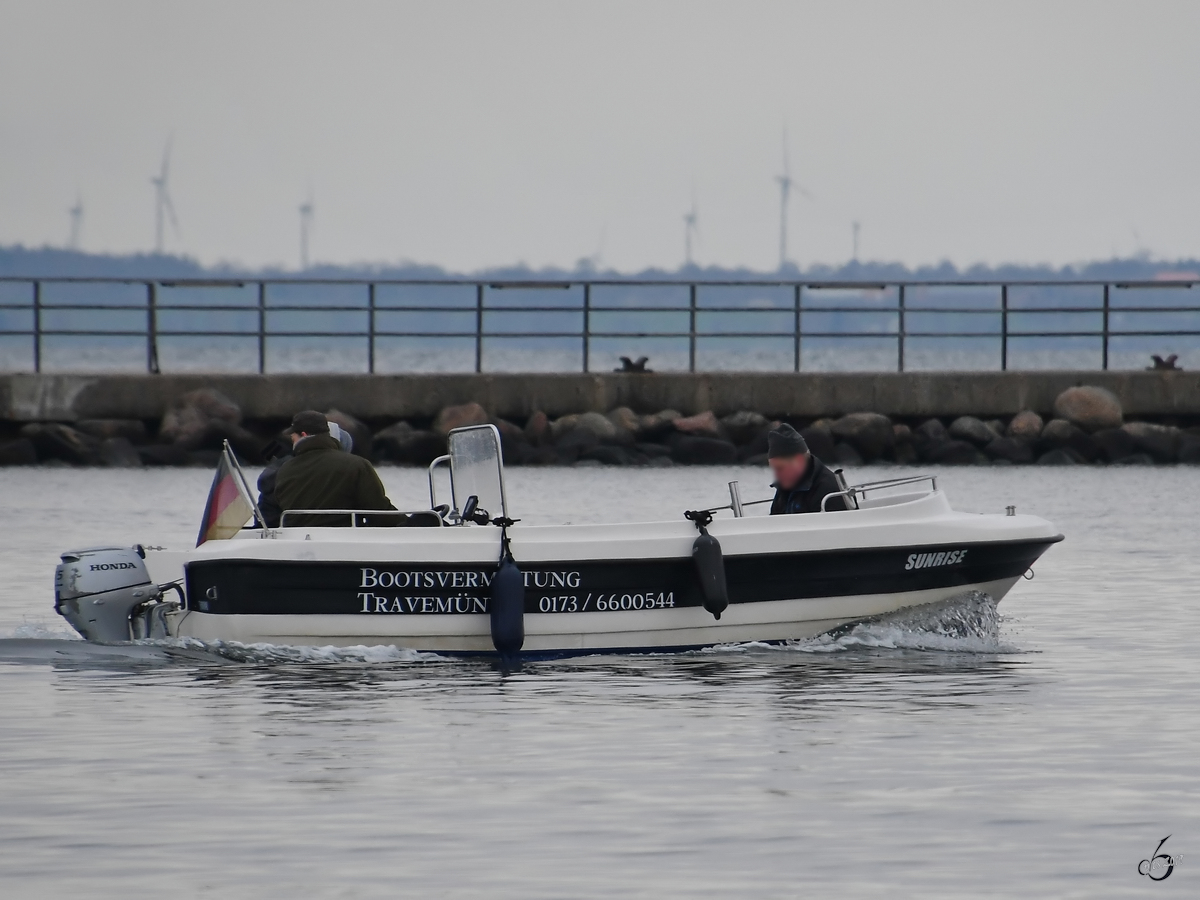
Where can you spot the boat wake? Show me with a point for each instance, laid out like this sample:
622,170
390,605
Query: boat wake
966,624
275,654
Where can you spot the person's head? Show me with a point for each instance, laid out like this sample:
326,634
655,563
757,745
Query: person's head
307,423
788,456
342,436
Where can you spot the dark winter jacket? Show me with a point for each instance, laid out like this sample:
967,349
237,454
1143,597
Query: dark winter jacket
320,475
817,483
268,503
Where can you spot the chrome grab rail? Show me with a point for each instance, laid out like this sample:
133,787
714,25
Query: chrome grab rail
440,461
863,489
354,514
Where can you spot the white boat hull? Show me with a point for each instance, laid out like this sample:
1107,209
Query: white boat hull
549,633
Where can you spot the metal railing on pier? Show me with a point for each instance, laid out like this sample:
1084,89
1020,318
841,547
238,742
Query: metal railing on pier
463,325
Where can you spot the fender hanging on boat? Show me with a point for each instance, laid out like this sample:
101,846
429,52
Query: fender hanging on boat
710,565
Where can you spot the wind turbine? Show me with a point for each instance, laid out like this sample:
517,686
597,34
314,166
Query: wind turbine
690,230
163,207
306,219
76,213
786,183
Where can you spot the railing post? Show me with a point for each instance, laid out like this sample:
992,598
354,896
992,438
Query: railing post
587,324
37,326
692,327
152,328
1004,328
371,328
262,327
902,334
796,331
479,327
1104,361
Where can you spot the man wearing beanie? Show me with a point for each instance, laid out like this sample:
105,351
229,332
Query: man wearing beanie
801,480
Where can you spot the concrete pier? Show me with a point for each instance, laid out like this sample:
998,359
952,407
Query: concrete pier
66,398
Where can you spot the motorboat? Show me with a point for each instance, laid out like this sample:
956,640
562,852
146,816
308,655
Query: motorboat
477,581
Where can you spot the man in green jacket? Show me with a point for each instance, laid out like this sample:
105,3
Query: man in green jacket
321,475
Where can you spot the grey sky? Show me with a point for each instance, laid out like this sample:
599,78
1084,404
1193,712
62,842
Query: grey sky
475,134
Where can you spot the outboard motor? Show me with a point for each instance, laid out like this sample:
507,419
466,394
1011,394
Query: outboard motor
97,590
710,565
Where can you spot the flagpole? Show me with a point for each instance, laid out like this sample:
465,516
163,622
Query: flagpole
232,457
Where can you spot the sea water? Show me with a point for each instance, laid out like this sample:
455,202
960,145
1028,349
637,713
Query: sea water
1041,748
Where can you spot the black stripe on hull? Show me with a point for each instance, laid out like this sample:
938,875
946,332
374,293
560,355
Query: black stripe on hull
304,587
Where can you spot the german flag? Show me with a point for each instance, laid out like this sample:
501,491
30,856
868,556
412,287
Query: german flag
228,507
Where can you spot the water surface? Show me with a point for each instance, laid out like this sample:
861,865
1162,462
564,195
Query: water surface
1043,751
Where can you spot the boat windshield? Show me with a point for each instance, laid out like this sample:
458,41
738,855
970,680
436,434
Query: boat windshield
476,468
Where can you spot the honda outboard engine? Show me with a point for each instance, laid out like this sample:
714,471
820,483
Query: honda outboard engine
97,590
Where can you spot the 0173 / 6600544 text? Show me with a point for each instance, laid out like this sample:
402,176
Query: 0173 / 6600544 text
569,603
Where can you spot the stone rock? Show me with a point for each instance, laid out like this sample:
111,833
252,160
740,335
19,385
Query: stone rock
575,443
593,423
703,451
608,455
660,462
133,430
20,452
510,432
820,441
869,433
905,454
1189,448
757,460
401,443
928,439
703,424
357,429
119,453
755,446
1115,443
625,419
587,464
1063,456
652,450
204,459
1061,434
844,454
163,455
997,426
247,446
1010,449
52,440
537,429
1026,425
1091,408
657,426
1160,441
189,418
1136,459
451,417
969,428
1057,433
931,429
955,453
744,426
